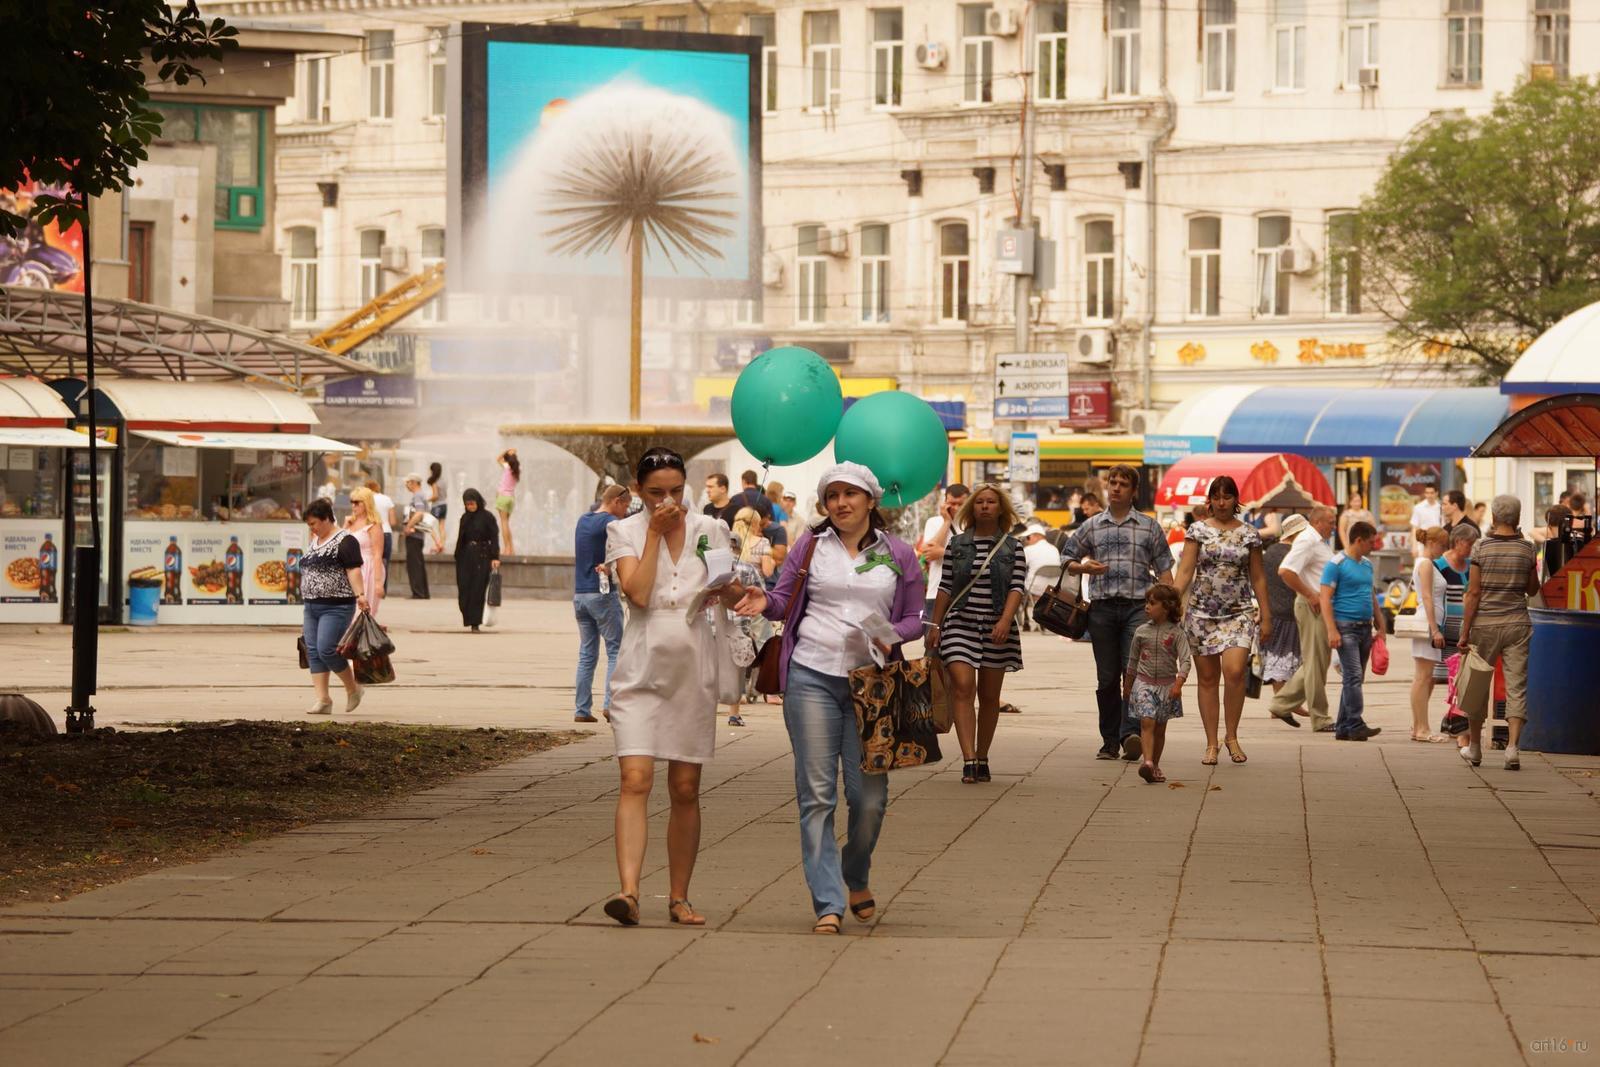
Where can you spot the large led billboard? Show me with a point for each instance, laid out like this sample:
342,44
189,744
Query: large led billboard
556,129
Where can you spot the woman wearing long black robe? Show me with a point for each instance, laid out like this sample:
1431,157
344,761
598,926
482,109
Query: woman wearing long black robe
477,556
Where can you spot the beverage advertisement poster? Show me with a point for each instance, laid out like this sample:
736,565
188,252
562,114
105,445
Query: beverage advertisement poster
204,560
1400,486
30,570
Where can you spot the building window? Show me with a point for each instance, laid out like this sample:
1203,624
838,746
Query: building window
747,312
1205,266
380,74
1122,30
1220,60
1272,282
630,24
874,273
302,274
316,98
888,56
141,249
1463,37
955,273
822,59
1050,22
1289,45
436,103
673,24
1360,39
240,135
813,272
1344,265
977,55
432,256
1552,37
766,28
1099,264
371,265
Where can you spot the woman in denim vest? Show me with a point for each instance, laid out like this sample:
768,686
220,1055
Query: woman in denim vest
852,568
985,571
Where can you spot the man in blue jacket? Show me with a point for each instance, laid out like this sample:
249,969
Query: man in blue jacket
594,599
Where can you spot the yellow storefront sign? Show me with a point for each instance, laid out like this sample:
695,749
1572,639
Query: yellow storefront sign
713,387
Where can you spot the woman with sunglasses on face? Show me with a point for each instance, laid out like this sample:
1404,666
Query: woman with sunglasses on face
851,568
1220,570
664,689
985,571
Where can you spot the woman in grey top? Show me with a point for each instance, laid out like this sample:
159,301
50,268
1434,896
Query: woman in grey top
1280,655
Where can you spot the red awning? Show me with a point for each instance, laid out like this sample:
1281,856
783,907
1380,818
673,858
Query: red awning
1279,479
1567,425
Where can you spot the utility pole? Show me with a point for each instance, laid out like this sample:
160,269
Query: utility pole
86,557
1024,282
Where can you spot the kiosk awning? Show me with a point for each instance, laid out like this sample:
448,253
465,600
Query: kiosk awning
1263,479
47,437
1381,423
205,403
1566,426
280,442
24,398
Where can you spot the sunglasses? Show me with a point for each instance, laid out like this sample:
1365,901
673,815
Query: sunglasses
660,459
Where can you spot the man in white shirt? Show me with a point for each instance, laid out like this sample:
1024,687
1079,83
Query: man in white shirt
1039,554
386,515
936,534
1424,517
1302,572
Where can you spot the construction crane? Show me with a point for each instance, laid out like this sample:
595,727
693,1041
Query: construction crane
382,312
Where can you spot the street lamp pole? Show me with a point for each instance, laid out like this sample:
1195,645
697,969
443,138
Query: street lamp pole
1024,282
86,558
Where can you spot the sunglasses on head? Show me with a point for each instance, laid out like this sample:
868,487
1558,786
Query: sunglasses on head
660,459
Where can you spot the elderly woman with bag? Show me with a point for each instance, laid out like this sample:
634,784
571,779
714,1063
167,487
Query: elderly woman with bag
331,587
972,629
835,576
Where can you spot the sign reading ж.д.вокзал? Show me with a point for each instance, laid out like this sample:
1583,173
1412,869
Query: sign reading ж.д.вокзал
1030,385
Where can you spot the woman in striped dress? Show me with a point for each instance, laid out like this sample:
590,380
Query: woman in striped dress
980,591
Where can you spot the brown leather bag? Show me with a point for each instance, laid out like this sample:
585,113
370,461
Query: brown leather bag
767,673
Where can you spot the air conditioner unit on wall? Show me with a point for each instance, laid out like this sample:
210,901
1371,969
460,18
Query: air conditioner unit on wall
834,242
1297,259
1368,78
436,42
1095,346
1001,22
393,257
1142,421
772,270
932,55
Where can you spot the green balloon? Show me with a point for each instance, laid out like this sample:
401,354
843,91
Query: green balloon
786,406
901,439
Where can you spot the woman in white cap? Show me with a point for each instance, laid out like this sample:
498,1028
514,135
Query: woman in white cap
846,568
664,689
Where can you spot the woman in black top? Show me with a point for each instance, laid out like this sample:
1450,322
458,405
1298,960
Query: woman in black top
1280,655
477,556
330,574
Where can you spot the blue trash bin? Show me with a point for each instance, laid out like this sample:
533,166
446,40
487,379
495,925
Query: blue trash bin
144,598
1563,678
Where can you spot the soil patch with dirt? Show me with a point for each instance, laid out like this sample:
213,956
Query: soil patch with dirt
85,810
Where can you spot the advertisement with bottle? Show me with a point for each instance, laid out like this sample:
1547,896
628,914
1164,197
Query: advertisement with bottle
30,570
218,572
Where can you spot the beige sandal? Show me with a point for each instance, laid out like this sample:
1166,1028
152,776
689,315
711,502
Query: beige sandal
1235,753
1210,758
828,924
690,917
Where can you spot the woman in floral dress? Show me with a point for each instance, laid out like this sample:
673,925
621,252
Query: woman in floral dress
1222,573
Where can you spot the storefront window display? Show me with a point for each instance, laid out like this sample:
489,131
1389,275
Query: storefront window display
162,482
217,484
30,482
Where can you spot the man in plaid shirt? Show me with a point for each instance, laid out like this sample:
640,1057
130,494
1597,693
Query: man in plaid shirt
1124,552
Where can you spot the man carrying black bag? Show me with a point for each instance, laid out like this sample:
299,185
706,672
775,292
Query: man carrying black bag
1124,552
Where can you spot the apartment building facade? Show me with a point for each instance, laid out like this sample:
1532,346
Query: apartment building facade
1197,165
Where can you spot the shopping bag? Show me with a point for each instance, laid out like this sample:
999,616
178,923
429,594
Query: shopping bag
1380,656
493,599
944,698
730,644
1454,721
373,670
364,638
894,715
1474,683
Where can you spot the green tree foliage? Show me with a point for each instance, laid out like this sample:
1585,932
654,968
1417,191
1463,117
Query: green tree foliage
72,90
1485,231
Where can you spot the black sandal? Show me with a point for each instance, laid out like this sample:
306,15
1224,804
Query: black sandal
969,771
983,769
864,910
624,907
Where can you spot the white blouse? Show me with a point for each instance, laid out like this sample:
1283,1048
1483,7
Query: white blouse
838,597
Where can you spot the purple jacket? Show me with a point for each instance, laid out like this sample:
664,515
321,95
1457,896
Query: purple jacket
905,615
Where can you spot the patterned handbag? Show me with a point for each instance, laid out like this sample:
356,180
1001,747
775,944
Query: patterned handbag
894,715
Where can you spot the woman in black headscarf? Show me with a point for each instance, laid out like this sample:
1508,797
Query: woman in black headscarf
477,556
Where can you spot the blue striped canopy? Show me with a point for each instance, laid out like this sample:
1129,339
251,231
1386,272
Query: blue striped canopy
1381,423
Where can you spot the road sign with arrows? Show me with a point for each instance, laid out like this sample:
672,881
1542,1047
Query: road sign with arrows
1030,384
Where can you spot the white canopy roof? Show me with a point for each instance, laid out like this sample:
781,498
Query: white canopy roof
24,398
47,437
267,442
1564,359
1203,414
147,400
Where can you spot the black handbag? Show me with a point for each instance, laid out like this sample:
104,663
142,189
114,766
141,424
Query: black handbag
493,596
1063,611
300,647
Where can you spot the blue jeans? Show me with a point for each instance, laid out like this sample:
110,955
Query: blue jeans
1355,644
1112,623
325,622
599,615
822,730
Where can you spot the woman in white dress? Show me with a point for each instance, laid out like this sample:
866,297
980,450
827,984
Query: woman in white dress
664,689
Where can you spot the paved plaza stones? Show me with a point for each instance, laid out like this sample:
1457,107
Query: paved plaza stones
1376,903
